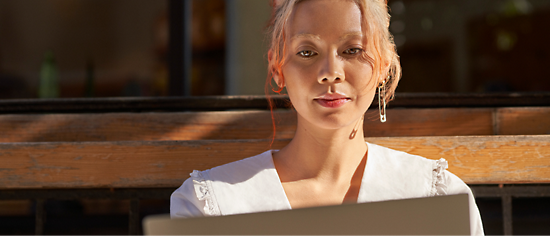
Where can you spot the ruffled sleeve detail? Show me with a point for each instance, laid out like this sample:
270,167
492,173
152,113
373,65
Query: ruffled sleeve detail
439,185
204,193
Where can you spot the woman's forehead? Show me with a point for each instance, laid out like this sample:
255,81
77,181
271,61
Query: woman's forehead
313,18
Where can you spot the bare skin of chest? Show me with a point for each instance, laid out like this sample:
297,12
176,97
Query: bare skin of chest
314,192
307,193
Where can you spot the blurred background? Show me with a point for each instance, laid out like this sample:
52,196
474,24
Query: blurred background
111,48
114,48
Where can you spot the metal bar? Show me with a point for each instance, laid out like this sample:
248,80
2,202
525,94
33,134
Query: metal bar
507,214
136,104
496,122
217,103
179,58
526,190
133,217
231,47
40,217
70,194
187,46
480,191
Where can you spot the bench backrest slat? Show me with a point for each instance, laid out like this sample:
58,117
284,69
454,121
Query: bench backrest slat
523,120
257,124
475,159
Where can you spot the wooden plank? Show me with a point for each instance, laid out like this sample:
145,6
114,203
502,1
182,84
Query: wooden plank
228,125
476,159
498,159
523,120
430,122
145,126
116,164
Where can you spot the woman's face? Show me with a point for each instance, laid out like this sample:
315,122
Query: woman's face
327,80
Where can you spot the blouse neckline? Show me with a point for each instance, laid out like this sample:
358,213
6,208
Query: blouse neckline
361,188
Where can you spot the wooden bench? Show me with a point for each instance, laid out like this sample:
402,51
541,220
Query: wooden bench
499,151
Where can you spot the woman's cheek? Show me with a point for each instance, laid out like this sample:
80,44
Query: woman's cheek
363,78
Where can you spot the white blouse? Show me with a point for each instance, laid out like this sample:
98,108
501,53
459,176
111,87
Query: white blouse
253,185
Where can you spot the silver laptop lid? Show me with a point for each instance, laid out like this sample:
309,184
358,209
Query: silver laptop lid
442,215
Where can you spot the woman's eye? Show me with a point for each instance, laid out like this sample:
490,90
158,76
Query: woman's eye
352,51
306,53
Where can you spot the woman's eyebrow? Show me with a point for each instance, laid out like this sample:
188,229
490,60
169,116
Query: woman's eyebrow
304,35
350,35
317,37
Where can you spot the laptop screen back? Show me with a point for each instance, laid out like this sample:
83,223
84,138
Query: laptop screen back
442,215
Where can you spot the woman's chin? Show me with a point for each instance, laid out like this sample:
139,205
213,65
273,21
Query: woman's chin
335,122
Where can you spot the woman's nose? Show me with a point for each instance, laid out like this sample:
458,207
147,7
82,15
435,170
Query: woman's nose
331,69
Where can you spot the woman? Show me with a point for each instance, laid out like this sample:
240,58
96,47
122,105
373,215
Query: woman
331,56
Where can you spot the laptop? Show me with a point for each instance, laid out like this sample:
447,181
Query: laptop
441,215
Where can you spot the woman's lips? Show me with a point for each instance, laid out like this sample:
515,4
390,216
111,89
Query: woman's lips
332,103
332,100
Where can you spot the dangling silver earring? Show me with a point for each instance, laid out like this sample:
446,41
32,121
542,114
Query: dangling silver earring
382,101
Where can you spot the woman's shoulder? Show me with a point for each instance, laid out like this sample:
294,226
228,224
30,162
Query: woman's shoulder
400,158
405,163
239,170
396,174
243,186
403,175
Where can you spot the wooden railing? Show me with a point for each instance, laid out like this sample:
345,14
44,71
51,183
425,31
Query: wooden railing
60,152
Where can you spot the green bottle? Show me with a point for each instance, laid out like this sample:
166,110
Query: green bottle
49,79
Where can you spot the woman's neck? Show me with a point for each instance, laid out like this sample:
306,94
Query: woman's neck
321,154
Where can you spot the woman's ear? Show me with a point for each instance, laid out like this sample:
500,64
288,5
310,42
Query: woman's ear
278,78
274,71
270,58
385,72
